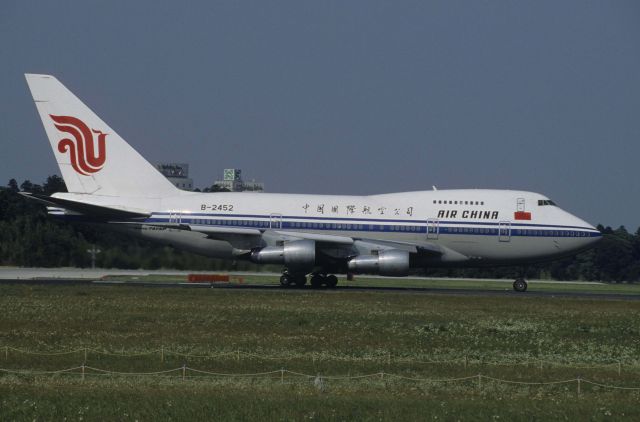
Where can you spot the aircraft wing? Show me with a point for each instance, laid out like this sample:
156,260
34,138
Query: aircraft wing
246,239
334,241
343,246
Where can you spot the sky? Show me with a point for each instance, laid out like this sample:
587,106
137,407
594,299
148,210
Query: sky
347,97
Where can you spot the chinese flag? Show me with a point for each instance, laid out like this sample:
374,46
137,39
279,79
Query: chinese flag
522,215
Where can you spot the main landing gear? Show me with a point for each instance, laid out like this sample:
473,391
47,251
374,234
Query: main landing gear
299,280
289,280
319,280
520,285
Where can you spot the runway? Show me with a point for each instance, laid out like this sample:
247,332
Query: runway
507,293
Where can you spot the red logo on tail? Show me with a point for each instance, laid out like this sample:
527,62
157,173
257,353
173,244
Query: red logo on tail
82,149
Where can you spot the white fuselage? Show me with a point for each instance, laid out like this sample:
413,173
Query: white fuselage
487,226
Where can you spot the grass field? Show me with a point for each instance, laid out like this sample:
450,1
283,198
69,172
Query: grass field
331,333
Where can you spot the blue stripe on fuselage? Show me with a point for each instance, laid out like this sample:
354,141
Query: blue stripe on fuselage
364,225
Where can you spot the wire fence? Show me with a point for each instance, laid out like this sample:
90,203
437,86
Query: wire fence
466,360
184,372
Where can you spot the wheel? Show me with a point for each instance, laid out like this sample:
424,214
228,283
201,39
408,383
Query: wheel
317,281
332,281
285,280
520,285
300,280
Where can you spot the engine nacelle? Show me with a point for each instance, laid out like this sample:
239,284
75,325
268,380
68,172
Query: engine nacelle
296,255
389,262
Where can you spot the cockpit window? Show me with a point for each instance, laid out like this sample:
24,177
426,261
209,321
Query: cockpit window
542,202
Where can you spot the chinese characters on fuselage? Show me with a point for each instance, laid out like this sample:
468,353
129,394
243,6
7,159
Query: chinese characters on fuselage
353,209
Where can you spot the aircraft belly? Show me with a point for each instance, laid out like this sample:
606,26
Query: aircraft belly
488,249
186,240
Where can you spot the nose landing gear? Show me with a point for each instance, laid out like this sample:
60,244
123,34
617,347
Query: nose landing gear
520,285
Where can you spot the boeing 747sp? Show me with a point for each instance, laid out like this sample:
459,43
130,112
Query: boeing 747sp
111,184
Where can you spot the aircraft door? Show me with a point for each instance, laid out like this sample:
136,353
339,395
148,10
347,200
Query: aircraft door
275,221
175,217
433,228
520,205
504,231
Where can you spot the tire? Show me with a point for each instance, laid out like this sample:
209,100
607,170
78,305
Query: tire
520,285
285,280
332,281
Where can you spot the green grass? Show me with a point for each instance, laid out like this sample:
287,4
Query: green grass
331,333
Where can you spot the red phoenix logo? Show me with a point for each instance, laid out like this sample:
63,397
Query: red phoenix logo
82,149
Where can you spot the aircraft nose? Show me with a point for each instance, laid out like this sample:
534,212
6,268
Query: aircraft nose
592,234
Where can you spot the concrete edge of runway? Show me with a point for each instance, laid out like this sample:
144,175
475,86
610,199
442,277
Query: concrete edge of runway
10,273
276,287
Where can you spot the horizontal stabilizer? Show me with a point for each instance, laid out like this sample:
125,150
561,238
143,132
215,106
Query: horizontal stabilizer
96,211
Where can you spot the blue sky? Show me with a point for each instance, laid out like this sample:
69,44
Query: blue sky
356,97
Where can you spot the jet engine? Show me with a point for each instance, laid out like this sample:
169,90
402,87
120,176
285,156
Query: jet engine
295,255
389,262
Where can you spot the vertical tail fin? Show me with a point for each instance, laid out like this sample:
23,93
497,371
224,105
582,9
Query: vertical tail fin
92,157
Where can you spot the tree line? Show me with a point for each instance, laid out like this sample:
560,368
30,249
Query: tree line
29,238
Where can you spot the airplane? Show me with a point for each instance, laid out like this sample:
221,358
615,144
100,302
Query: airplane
111,184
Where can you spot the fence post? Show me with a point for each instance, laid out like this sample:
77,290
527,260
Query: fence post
388,358
540,361
82,367
238,355
579,386
479,381
382,376
6,352
85,355
466,361
619,368
184,371
161,353
282,375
